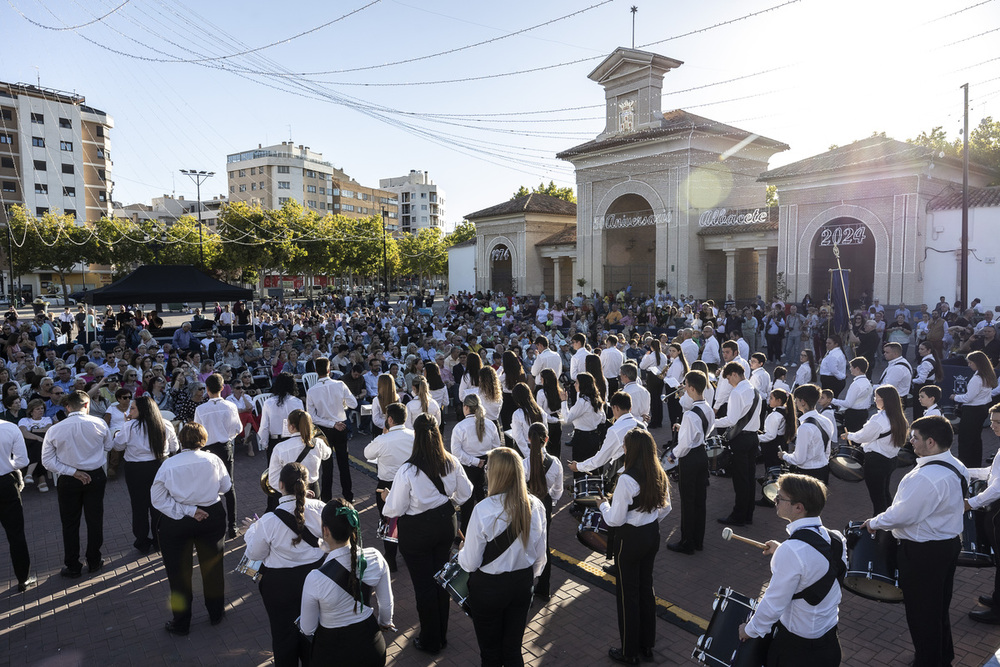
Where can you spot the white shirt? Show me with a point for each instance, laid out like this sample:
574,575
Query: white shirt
690,350
553,416
794,567
79,442
743,348
992,475
933,410
810,452
740,401
925,371
288,451
189,480
490,520
583,416
326,603
134,441
465,387
858,396
617,512
328,400
576,363
519,424
649,363
899,375
553,478
976,393
465,442
390,450
774,425
761,381
780,384
928,505
691,433
413,493
13,453
611,362
869,434
803,375
220,418
613,446
274,417
270,540
640,400
834,363
414,409
710,353
378,414
675,371
546,359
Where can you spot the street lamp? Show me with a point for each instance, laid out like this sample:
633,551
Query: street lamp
385,259
199,177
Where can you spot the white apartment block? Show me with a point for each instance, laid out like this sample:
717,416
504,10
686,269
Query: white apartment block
421,201
168,209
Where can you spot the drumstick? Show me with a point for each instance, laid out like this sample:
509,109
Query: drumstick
728,534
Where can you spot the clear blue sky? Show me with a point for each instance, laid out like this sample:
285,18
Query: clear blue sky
820,73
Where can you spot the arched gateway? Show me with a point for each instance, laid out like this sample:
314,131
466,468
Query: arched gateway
857,254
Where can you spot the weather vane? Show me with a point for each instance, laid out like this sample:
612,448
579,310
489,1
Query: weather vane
634,10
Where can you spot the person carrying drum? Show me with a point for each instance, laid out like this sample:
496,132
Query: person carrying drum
804,594
986,501
926,518
743,417
779,428
880,438
692,468
811,455
613,447
856,402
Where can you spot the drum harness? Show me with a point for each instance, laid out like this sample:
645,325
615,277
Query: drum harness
733,431
265,478
833,552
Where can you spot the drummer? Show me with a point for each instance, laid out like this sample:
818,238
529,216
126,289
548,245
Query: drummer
613,447
856,402
692,470
803,596
926,518
880,438
811,455
779,428
986,501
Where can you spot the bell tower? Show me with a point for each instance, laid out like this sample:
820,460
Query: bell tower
633,81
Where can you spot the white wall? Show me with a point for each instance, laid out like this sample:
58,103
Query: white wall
940,267
462,269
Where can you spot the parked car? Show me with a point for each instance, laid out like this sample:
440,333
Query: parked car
56,301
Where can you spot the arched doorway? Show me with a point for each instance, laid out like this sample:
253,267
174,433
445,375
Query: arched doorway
857,253
501,270
630,245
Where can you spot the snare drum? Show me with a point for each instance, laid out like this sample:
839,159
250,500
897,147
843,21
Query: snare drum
251,568
593,532
975,551
665,461
848,463
455,580
770,482
871,564
720,646
387,530
588,490
714,446
905,456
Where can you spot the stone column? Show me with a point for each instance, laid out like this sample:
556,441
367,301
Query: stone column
730,273
556,279
762,273
574,288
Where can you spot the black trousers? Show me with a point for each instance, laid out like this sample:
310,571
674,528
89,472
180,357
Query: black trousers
178,539
281,593
224,450
543,587
692,482
613,385
76,499
477,476
12,520
970,435
854,420
990,522
635,551
500,605
788,650
357,645
744,448
554,444
338,441
878,473
769,452
822,474
391,548
34,448
674,411
832,383
584,445
425,542
927,576
139,478
272,442
654,385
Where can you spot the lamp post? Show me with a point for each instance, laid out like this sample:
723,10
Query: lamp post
385,258
199,177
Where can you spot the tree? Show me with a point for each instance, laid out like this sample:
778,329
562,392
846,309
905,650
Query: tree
984,144
463,232
551,189
771,198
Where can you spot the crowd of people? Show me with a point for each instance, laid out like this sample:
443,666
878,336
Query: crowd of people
293,383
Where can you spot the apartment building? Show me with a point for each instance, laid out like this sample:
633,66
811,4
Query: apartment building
421,201
269,176
168,209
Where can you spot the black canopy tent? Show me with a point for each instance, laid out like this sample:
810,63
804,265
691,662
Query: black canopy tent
164,284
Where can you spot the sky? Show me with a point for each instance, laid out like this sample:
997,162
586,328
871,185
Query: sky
483,95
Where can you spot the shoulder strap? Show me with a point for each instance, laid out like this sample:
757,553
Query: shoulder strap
547,463
822,431
305,452
745,419
436,481
289,520
819,589
341,575
704,420
961,477
497,546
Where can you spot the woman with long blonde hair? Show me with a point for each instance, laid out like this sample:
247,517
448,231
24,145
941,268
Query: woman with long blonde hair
504,550
386,396
422,403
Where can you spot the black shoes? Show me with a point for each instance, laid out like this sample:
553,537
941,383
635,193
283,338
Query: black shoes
986,600
730,521
417,644
990,616
681,548
71,572
218,619
175,628
231,533
616,654
27,583
95,567
610,568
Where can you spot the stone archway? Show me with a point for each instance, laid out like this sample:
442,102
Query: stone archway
630,245
501,260
856,244
876,234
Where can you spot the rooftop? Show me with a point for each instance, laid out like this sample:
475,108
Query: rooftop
564,237
978,198
533,203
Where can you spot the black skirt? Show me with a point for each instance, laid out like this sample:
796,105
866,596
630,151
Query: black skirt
357,645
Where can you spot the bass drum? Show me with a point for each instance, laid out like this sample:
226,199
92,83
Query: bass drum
871,564
720,646
769,485
848,463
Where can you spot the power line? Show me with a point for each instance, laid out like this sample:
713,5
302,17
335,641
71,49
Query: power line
72,27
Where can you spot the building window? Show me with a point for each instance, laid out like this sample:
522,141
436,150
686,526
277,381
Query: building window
423,207
243,187
335,192
311,189
284,185
310,173
6,114
41,210
66,146
423,195
41,189
322,191
38,142
282,168
6,139
7,162
65,124
9,186
243,172
68,169
282,201
70,211
346,193
232,189
100,153
322,206
261,185
40,165
434,197
311,203
253,186
348,207
102,196
335,207
68,191
232,174
101,175
423,218
253,171
99,131
38,118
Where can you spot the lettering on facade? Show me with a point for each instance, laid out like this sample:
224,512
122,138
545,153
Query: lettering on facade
629,220
626,116
500,254
843,235
721,217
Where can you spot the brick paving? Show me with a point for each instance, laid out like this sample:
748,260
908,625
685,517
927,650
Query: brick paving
116,618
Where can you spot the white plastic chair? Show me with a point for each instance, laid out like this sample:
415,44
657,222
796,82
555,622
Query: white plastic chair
258,402
309,379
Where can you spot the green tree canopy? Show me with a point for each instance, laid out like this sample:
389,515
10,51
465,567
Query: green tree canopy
463,232
551,189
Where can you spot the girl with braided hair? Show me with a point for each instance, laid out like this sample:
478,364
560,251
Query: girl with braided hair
287,541
336,606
